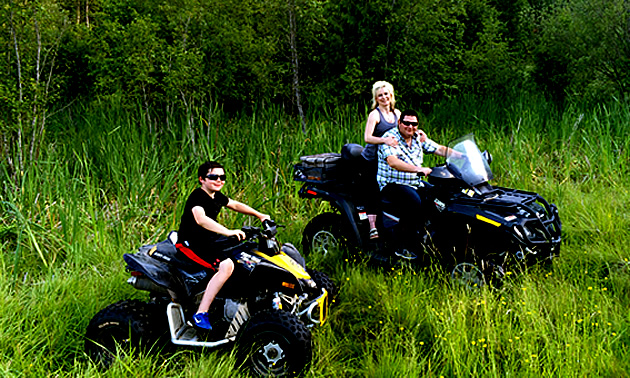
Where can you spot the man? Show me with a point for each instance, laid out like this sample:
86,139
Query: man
203,239
399,168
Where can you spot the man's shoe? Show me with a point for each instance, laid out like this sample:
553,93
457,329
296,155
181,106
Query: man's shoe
202,321
405,254
373,233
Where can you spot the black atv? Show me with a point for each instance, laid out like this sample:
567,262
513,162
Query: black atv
266,307
477,231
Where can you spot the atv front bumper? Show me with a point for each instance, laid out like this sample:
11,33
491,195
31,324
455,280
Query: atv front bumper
316,311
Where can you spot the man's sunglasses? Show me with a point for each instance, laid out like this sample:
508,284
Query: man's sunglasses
407,123
213,177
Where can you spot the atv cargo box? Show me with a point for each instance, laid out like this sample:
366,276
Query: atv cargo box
318,168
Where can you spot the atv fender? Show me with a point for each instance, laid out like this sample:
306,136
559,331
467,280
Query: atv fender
343,205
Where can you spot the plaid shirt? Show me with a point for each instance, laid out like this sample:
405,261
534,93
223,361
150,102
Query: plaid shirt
412,155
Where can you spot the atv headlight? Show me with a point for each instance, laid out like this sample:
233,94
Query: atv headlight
308,283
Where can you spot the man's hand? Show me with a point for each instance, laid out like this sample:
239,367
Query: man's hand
263,217
240,235
424,171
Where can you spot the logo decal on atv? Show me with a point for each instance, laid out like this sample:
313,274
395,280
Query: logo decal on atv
439,205
249,261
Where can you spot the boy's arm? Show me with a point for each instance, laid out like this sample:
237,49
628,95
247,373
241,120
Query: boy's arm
210,224
247,210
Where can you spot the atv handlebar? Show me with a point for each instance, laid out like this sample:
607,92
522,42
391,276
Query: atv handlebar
268,231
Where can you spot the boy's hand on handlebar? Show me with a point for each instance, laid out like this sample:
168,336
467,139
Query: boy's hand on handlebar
240,235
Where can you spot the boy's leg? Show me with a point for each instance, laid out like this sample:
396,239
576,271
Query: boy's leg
201,320
226,267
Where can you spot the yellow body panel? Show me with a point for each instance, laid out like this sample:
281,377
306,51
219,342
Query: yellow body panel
284,261
487,220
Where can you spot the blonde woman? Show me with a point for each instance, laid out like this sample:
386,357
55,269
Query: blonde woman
383,117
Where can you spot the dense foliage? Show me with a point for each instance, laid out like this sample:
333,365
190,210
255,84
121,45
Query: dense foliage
172,56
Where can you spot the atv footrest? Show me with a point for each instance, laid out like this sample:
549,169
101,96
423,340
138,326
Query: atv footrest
184,334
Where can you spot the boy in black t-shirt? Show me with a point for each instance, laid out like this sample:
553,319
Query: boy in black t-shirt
203,239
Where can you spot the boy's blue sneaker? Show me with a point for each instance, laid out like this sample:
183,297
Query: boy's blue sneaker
202,321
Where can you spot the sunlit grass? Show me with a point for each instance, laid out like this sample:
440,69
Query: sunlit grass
110,182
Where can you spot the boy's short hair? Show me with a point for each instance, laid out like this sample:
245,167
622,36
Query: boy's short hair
207,167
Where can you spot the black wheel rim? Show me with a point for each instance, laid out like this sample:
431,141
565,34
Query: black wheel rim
271,355
323,242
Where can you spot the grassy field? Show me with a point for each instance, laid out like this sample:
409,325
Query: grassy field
110,181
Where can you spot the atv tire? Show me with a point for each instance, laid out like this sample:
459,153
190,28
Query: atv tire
274,343
324,282
323,234
468,275
125,324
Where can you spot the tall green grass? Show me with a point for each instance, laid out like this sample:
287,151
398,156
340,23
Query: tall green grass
112,179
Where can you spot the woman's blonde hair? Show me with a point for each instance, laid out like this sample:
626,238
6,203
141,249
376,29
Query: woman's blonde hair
383,84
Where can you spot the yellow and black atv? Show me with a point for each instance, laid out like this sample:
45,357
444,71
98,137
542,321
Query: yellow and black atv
266,307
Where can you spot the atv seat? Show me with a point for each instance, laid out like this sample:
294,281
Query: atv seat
351,151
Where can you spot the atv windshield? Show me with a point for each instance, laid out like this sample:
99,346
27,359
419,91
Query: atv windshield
466,162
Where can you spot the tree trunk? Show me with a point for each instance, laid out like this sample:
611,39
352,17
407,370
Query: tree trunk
294,61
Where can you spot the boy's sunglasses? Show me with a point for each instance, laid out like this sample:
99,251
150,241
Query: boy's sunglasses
408,123
213,177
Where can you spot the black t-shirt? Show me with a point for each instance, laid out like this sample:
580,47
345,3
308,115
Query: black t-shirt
189,230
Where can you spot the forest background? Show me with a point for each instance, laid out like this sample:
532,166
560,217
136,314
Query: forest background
179,56
108,106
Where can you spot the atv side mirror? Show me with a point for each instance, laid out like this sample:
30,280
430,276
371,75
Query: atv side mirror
269,228
487,156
